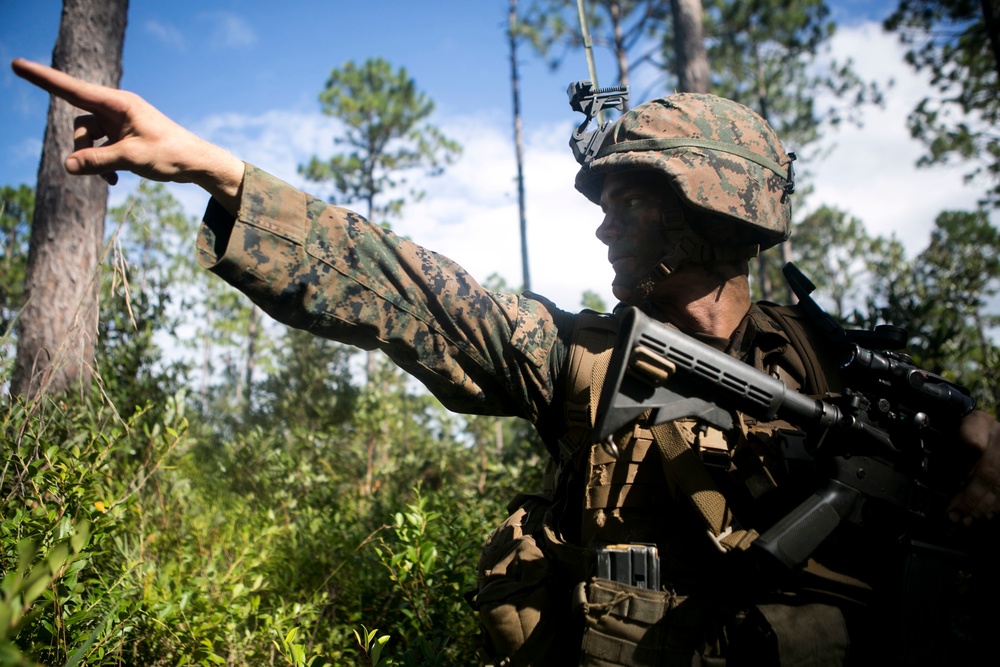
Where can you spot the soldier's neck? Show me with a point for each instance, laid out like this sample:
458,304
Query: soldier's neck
705,299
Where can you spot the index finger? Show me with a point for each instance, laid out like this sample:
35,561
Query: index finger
81,94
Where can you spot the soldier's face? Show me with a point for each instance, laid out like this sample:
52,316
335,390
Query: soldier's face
639,213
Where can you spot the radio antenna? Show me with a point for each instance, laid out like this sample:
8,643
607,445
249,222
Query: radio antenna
588,47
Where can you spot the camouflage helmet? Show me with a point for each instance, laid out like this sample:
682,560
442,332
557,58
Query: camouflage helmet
721,158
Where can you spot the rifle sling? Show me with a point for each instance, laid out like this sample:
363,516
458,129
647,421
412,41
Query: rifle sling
682,466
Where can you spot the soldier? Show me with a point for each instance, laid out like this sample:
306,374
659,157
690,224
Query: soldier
691,186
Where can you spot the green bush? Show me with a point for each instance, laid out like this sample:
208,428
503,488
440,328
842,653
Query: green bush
71,489
147,540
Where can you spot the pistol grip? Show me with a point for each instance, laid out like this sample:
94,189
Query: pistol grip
794,538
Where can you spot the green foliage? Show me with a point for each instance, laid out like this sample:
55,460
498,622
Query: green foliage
624,27
153,285
144,263
310,385
71,483
264,549
593,301
946,298
246,537
425,555
153,235
830,248
227,341
956,41
385,131
372,646
763,54
129,361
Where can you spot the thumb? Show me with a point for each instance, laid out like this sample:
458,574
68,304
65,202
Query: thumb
98,160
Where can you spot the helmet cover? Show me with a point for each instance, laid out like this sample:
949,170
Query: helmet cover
720,156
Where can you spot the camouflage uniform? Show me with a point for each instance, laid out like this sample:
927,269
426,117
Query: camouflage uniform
327,270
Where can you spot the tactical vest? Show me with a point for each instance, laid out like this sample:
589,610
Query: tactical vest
668,482
693,459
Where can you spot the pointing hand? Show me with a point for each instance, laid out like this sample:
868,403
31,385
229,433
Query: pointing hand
140,139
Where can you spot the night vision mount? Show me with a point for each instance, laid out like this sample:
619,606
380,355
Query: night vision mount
585,99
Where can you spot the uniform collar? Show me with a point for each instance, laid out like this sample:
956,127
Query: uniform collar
756,331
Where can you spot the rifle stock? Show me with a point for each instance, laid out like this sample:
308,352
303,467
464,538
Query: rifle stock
654,366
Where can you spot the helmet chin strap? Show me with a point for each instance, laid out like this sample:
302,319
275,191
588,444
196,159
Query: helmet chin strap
688,248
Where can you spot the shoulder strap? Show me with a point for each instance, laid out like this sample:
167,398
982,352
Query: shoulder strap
590,353
683,466
793,323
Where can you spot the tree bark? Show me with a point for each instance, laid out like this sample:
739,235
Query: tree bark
58,326
689,47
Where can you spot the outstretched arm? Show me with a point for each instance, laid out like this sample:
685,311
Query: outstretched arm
140,139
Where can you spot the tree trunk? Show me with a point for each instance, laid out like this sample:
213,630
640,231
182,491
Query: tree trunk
991,9
58,325
621,53
689,47
253,335
518,143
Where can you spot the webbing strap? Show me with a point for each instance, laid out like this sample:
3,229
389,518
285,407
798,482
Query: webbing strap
682,465
638,495
599,371
647,610
688,247
613,650
692,142
627,626
590,355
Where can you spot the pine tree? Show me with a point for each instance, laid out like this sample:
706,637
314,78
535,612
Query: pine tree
385,132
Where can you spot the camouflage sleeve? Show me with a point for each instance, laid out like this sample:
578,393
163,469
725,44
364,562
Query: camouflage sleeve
329,271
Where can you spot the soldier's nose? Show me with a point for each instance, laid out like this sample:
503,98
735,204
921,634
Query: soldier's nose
607,231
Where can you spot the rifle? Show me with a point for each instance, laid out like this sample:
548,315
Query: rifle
882,444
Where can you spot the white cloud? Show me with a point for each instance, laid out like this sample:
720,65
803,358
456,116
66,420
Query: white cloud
870,172
470,214
166,33
230,30
476,222
277,141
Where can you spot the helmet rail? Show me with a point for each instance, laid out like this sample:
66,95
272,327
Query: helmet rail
591,103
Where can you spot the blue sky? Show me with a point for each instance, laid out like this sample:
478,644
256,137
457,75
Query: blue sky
193,59
246,75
